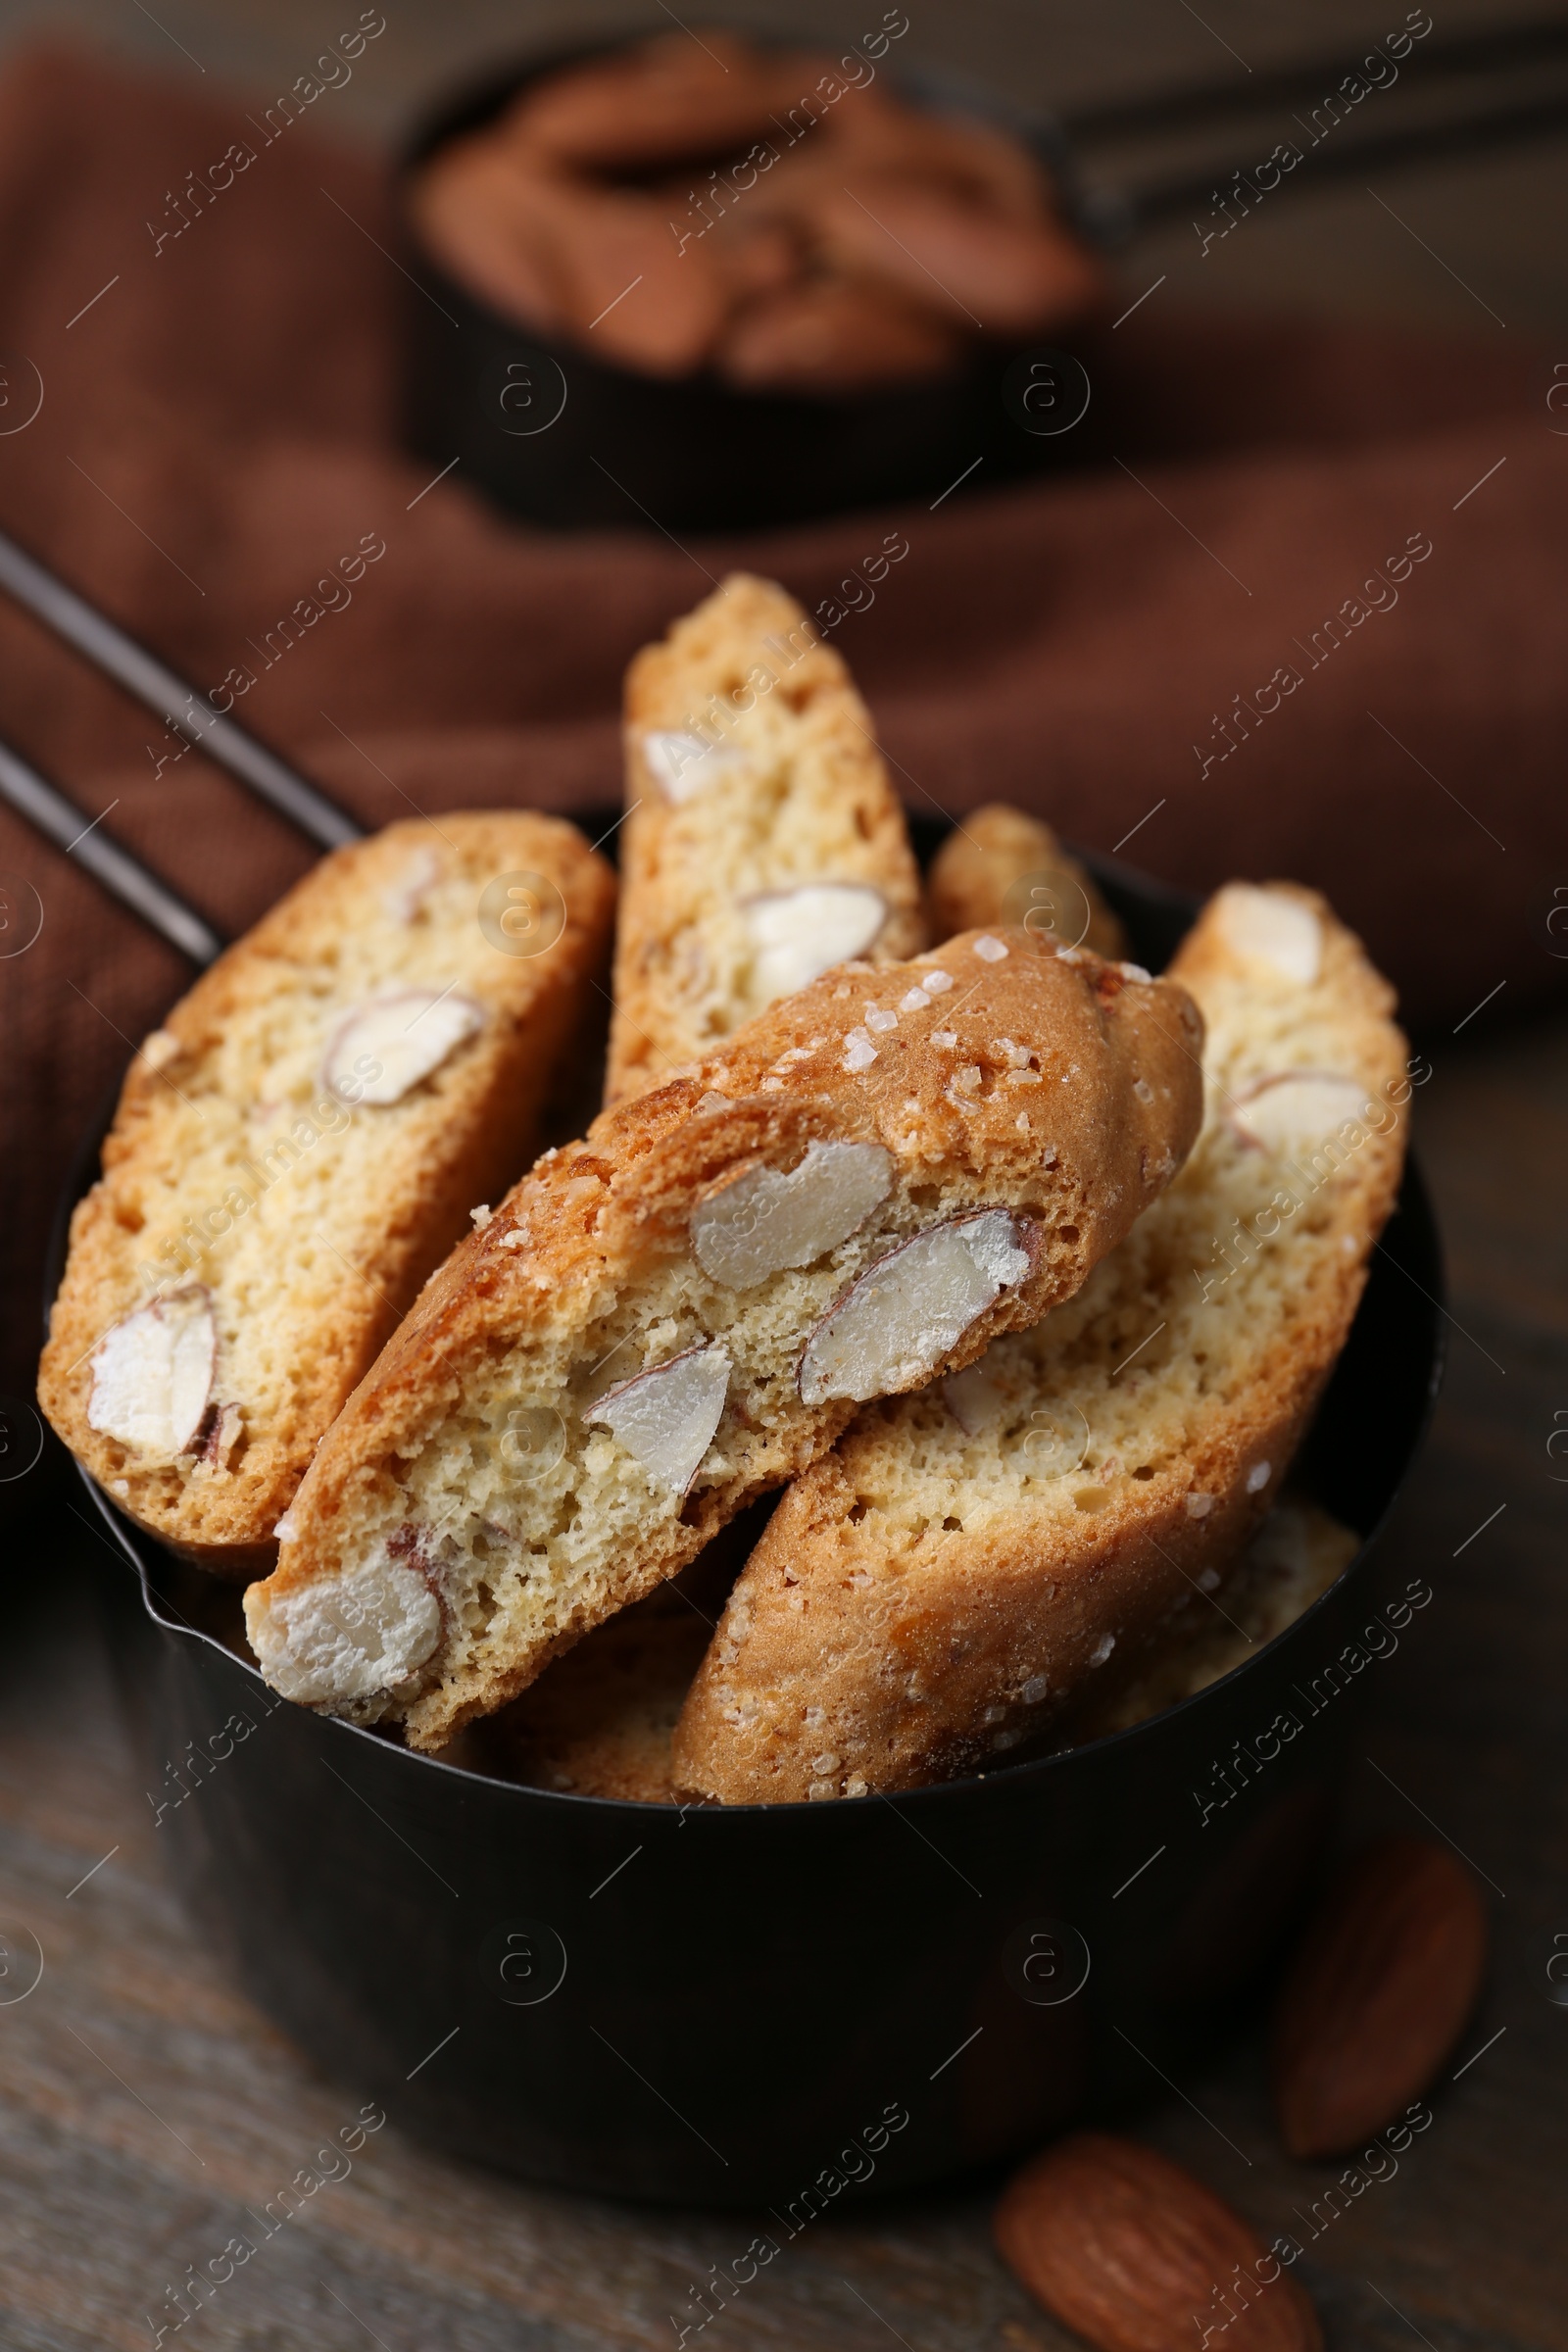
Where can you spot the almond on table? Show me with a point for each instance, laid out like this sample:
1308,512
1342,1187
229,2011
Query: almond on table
763,841
1135,2255
680,1312
1381,1985
984,1562
295,1151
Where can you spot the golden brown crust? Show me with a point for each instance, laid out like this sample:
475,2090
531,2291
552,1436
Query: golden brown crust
1001,866
931,1593
1297,1552
601,1721
791,790
310,1221
1058,1087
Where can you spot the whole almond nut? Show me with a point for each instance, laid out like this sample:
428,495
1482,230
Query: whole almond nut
653,103
1015,277
834,334
1135,2255
1384,1980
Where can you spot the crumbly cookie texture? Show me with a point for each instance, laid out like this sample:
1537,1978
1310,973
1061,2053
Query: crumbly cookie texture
763,841
1297,1552
1001,866
294,1151
601,1721
972,1564
680,1312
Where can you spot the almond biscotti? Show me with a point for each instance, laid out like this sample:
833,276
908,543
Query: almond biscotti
763,841
1297,1552
298,1146
1001,866
601,1718
951,1579
680,1312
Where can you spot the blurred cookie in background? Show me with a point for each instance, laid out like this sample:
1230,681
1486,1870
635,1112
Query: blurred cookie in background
1002,865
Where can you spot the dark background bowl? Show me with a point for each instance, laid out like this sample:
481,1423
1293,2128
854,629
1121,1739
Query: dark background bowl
708,2005
552,434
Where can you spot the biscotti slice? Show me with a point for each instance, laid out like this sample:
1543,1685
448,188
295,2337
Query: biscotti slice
1001,866
953,1577
1297,1552
599,1720
763,843
297,1148
682,1311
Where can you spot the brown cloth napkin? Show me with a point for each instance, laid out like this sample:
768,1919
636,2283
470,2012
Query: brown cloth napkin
217,430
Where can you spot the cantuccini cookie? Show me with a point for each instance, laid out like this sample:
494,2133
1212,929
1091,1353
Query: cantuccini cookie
998,865
667,1319
599,1719
1297,1552
958,1574
763,841
295,1150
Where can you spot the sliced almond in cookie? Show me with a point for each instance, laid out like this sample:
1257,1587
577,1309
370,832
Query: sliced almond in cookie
237,1165
893,1327
404,1036
1271,928
683,765
159,1049
943,1585
666,1416
369,1629
1298,1109
760,1222
405,898
799,934
221,1437
152,1375
763,841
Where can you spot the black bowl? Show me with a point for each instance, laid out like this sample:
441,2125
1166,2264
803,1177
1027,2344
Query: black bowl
767,2005
553,435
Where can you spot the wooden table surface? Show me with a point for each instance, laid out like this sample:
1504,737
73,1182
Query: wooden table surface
145,2106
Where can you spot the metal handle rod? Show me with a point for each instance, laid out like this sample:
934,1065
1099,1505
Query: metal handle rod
142,674
1166,110
33,797
1133,209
